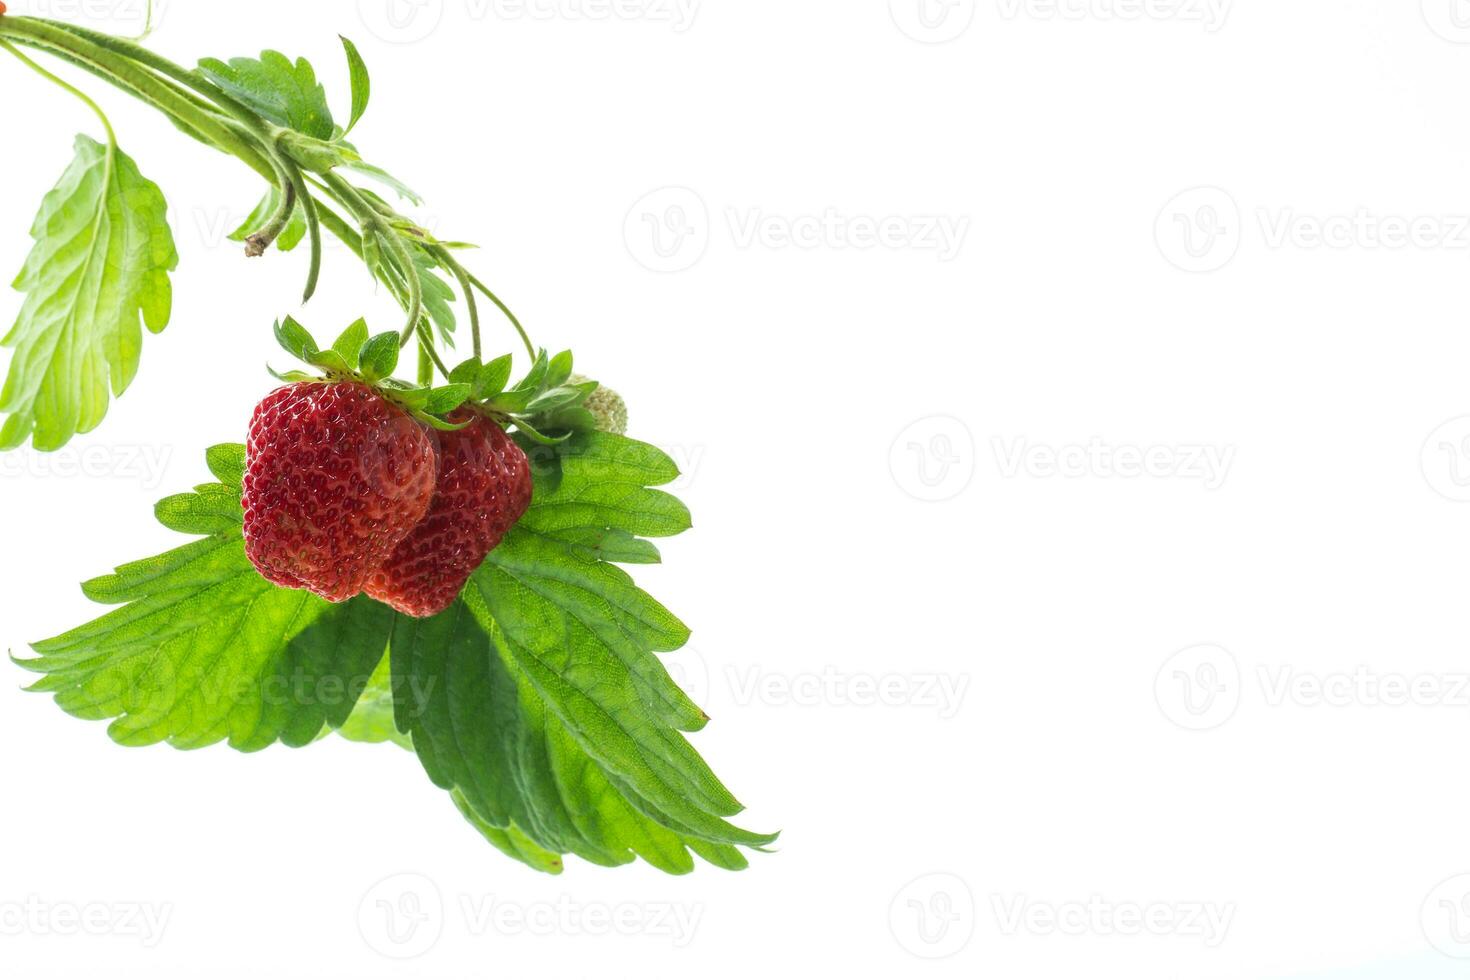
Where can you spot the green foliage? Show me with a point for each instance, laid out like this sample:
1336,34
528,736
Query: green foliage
203,649
361,84
537,701
284,92
101,259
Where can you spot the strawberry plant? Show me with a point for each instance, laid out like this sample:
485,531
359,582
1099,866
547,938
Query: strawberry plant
434,562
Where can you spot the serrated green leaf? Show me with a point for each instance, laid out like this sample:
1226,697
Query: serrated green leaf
361,83
380,356
286,93
204,650
101,259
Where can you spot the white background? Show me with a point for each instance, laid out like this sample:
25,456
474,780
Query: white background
1180,232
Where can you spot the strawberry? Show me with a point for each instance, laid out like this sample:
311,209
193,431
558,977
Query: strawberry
335,477
484,488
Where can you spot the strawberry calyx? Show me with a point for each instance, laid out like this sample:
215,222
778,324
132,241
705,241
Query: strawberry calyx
548,405
369,360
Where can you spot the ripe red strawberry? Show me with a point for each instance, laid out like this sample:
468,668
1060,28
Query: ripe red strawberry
335,477
484,488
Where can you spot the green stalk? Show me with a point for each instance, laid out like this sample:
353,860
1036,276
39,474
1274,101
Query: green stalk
106,123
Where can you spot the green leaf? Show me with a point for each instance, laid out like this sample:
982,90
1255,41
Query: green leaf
101,259
361,84
349,345
512,767
380,356
295,339
438,297
388,180
493,378
203,649
537,701
585,636
446,399
287,94
558,370
289,237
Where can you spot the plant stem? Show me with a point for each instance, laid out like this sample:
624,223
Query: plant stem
106,124
508,314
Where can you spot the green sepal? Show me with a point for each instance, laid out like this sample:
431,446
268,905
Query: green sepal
493,378
379,357
440,401
361,83
558,370
291,377
295,339
350,344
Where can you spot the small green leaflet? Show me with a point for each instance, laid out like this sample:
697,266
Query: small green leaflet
361,83
286,93
537,701
101,259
